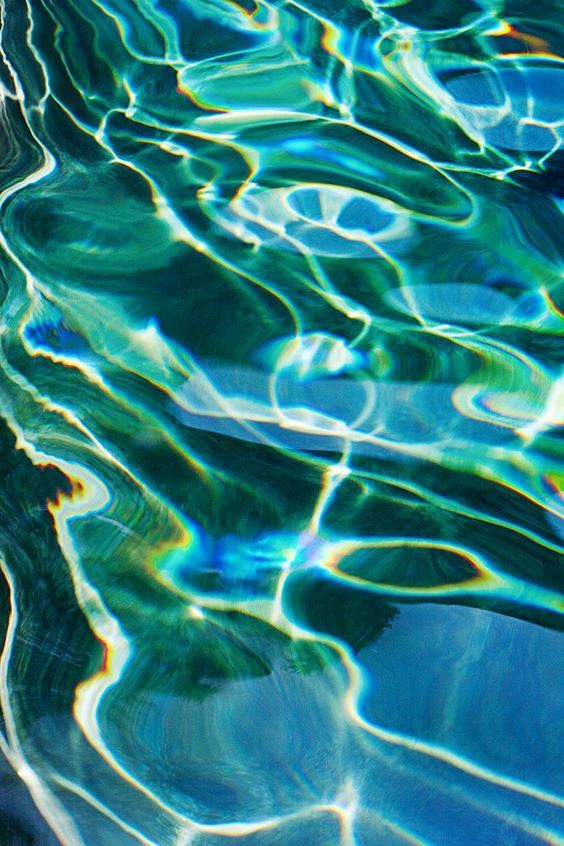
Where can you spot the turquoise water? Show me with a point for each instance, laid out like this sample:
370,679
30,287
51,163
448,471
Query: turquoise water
281,521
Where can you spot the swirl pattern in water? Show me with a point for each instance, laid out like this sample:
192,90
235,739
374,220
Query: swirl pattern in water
281,522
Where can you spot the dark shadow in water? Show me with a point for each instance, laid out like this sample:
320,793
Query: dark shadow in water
49,640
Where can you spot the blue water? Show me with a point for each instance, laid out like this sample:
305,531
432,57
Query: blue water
281,512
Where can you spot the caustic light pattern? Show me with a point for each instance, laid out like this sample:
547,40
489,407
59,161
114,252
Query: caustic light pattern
281,521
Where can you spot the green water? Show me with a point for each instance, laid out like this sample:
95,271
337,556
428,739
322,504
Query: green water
281,521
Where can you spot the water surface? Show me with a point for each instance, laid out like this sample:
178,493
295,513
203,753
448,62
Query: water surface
281,522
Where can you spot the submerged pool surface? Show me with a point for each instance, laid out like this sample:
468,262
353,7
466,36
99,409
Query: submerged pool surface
281,513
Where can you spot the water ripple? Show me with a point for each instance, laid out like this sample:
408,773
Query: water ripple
281,515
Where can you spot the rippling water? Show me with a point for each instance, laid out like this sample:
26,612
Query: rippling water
281,526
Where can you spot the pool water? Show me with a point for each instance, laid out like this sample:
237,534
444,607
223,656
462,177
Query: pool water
281,512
